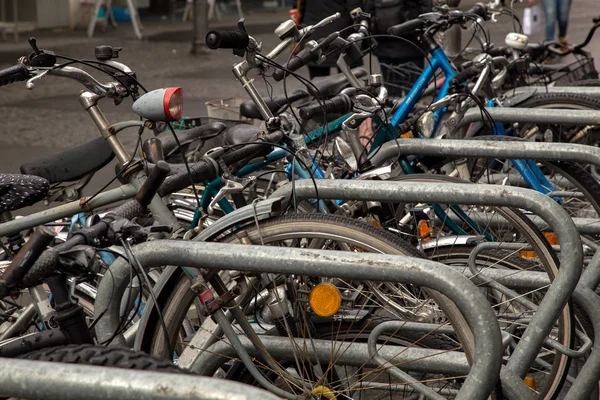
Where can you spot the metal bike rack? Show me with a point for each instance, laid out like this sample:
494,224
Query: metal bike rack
59,381
353,266
489,195
590,91
350,354
584,295
490,149
66,210
532,115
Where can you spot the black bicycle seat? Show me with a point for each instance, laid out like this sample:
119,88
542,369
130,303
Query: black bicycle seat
249,109
18,191
71,164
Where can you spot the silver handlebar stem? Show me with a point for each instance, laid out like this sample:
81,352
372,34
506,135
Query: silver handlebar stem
241,70
85,79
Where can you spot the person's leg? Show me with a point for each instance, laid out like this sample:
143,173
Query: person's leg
315,71
563,19
550,15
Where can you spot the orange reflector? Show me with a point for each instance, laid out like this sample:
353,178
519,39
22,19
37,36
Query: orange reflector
551,238
325,299
527,254
530,382
406,135
375,223
425,231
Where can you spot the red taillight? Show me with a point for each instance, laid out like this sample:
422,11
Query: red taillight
173,103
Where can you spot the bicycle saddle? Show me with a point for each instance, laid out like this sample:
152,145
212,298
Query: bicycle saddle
71,164
188,136
240,134
18,191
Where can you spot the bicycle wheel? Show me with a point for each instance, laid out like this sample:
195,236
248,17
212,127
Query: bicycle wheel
362,301
581,134
577,189
436,234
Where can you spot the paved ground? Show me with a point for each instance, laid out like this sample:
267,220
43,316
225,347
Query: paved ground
48,118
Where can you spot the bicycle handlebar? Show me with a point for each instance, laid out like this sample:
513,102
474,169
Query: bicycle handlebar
152,183
42,263
25,259
337,105
207,169
407,27
13,74
478,9
227,40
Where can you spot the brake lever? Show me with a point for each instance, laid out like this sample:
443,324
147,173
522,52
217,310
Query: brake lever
31,81
231,185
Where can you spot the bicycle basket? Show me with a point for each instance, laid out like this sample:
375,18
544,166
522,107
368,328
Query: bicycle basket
400,78
579,70
228,108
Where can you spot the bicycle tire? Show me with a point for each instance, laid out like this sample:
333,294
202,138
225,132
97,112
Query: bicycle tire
103,356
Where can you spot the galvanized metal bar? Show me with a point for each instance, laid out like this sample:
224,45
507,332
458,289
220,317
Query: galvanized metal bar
589,375
394,371
353,266
490,149
490,195
592,91
589,226
532,115
66,210
59,381
524,280
353,354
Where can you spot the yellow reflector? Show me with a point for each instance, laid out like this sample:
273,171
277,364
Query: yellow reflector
530,382
325,392
325,299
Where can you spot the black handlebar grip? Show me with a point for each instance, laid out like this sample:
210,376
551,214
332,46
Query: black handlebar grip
478,9
406,28
295,63
253,149
13,74
467,73
499,51
128,210
336,105
203,170
156,178
227,40
44,266
26,258
596,19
